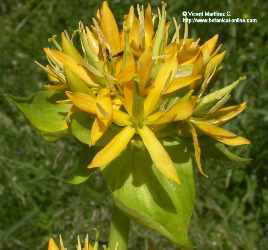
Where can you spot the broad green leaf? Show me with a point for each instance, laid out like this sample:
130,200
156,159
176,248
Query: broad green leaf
80,126
42,110
143,193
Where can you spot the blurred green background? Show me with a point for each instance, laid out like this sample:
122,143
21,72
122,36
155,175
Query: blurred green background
36,202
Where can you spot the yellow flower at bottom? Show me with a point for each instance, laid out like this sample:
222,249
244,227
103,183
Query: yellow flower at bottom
87,246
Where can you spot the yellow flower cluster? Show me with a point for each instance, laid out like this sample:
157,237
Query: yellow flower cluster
53,246
144,80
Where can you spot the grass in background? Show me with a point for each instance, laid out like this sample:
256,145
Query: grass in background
231,210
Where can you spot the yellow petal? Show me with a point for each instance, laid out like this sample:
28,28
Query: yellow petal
127,69
90,45
134,36
224,115
109,28
166,72
208,47
221,134
197,150
53,75
65,60
104,106
52,245
83,101
144,67
69,49
121,118
87,245
213,130
198,68
91,41
130,18
181,110
213,64
148,27
97,131
75,83
188,53
184,109
151,119
235,141
160,36
104,116
158,154
113,149
128,97
182,82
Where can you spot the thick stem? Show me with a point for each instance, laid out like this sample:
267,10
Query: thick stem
118,239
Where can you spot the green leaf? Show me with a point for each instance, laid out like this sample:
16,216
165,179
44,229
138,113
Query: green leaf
42,110
78,179
81,124
143,193
52,137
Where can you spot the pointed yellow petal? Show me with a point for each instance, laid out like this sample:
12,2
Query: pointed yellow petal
83,101
121,118
144,67
52,245
182,82
61,244
109,28
104,116
90,45
153,118
113,149
235,141
224,115
134,35
208,47
65,60
197,150
221,134
148,27
158,154
90,42
198,67
166,72
97,131
69,49
52,74
130,18
160,36
213,64
104,106
128,97
213,130
181,110
87,245
127,69
74,82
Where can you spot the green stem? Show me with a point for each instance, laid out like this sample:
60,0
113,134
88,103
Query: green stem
118,239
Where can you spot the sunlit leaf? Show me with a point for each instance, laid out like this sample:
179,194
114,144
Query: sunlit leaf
43,112
146,195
